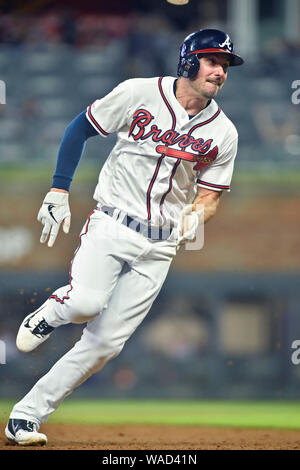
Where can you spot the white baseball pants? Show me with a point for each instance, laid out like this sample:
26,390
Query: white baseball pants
115,276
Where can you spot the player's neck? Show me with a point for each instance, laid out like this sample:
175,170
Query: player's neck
191,102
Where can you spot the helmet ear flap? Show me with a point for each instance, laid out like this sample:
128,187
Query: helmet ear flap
188,66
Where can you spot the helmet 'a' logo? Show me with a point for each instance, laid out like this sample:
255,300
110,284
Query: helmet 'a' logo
227,43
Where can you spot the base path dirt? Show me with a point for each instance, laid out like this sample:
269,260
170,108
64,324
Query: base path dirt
153,437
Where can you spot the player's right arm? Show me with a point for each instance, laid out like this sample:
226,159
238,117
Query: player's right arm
103,117
55,210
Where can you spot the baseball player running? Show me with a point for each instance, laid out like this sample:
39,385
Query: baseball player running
175,152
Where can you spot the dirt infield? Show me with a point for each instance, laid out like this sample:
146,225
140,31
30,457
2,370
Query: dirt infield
153,437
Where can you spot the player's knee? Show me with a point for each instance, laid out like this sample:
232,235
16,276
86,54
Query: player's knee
86,304
103,348
110,351
108,348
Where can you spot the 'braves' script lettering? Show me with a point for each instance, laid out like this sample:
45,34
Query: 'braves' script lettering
139,130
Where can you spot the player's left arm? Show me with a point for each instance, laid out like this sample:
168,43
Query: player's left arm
211,182
208,199
216,178
203,209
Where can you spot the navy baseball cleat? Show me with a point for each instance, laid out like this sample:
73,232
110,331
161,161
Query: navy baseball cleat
24,433
34,330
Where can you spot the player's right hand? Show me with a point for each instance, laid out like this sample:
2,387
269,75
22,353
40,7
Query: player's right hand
54,211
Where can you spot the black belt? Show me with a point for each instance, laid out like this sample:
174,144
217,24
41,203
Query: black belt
154,233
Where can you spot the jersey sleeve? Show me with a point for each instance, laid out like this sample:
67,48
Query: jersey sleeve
218,175
109,114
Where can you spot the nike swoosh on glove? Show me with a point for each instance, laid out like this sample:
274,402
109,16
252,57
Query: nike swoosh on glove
54,211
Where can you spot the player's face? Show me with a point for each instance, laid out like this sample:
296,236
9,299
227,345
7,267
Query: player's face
211,76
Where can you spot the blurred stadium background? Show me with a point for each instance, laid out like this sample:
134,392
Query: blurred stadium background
226,318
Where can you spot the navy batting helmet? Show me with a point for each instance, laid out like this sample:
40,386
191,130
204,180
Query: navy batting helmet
205,41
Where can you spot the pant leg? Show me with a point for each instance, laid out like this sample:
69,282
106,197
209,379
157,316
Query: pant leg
104,336
94,271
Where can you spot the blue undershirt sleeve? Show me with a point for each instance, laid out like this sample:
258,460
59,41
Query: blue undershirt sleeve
71,149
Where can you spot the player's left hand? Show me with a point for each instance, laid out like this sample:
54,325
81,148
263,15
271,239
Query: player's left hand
54,211
188,224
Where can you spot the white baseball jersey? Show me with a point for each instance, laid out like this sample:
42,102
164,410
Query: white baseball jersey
161,154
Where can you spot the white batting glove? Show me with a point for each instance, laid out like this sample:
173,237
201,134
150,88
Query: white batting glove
188,224
54,211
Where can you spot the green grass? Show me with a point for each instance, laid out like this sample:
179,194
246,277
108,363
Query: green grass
88,172
42,174
276,414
